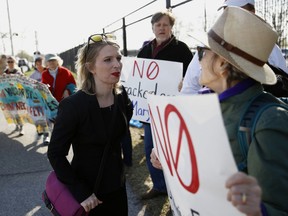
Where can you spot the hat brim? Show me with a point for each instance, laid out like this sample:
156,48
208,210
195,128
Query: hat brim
264,74
52,58
221,7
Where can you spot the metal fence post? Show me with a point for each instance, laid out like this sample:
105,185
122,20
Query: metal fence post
125,52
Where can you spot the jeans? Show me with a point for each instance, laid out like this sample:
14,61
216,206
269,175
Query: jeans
157,175
126,145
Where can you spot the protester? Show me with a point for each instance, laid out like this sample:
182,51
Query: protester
42,127
12,68
165,46
39,68
60,80
233,66
276,60
3,63
96,115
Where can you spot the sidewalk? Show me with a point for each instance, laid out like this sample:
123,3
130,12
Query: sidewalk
24,168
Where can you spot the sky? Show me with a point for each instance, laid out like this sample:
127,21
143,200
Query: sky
55,26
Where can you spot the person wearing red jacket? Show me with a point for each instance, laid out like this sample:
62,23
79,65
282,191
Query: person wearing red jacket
60,81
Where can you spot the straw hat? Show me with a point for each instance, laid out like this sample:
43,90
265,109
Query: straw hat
245,41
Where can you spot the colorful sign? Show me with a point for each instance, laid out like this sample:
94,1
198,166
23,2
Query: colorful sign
25,100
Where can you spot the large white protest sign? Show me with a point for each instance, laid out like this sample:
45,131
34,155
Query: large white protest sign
191,142
142,76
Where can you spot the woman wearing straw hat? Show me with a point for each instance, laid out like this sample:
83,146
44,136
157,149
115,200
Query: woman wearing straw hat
233,65
276,61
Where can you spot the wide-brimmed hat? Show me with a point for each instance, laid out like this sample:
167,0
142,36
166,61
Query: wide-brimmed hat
244,40
236,3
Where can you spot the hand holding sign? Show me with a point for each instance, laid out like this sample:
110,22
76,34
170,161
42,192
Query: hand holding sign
192,145
154,160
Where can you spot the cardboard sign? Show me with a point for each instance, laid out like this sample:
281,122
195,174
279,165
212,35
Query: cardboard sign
142,76
193,148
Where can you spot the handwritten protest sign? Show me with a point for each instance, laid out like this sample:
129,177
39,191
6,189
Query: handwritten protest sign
141,76
193,148
26,100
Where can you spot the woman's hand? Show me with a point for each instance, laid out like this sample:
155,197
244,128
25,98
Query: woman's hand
65,93
154,160
244,193
90,203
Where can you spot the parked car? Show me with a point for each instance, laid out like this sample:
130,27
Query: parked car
24,64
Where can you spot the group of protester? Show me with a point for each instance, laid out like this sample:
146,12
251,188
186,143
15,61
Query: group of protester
233,65
230,63
48,70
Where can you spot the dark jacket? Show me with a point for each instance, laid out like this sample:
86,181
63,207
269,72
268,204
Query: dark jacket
267,152
174,50
82,123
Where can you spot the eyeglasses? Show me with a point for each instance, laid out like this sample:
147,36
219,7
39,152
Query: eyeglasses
201,52
10,61
98,38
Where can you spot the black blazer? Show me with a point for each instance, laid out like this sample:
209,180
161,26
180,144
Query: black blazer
81,122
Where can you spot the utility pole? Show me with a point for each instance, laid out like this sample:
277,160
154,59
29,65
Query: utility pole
36,41
205,17
3,35
10,29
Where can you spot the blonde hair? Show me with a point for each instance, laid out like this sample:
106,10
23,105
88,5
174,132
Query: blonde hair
86,58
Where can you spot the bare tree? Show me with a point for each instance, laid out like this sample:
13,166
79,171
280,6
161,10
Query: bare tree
275,12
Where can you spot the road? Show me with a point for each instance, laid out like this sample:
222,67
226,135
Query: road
24,168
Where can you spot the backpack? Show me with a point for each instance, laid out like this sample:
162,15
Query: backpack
249,118
280,89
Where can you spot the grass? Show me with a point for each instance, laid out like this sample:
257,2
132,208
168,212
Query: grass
139,179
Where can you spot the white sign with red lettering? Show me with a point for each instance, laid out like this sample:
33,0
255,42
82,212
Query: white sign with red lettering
142,76
192,145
